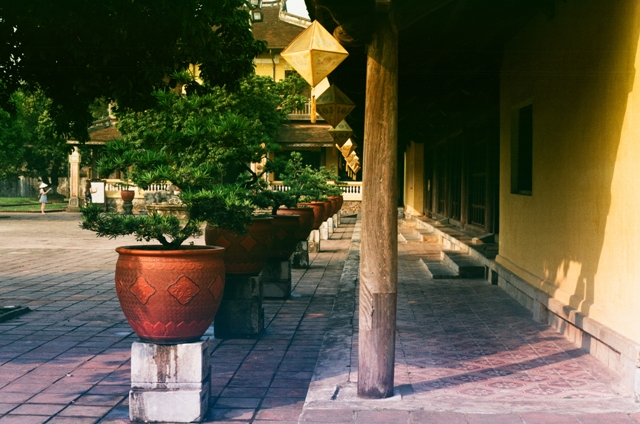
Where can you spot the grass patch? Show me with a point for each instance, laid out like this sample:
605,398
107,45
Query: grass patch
29,204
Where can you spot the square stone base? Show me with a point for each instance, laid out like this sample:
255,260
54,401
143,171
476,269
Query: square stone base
241,313
314,241
276,279
324,231
169,405
169,383
300,258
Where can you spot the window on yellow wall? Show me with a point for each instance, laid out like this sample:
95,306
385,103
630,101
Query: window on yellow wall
522,150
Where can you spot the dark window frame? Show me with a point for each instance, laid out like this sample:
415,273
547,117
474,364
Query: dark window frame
522,150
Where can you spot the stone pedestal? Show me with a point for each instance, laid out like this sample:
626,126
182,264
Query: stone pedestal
74,181
300,258
336,220
169,383
324,231
276,279
330,226
241,313
314,241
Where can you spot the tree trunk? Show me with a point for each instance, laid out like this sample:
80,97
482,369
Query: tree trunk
379,241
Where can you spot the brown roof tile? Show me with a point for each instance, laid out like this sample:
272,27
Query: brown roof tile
278,34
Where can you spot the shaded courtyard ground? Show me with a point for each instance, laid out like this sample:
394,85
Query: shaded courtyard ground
466,352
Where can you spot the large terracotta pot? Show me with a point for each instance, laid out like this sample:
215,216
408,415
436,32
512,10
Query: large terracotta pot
170,296
318,212
127,195
245,253
328,210
285,236
339,200
305,219
334,205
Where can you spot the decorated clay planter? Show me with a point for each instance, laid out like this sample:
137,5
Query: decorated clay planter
245,253
318,213
339,200
335,207
285,236
127,195
328,210
305,219
170,296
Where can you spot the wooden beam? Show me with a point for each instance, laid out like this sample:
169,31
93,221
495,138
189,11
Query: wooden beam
379,239
414,10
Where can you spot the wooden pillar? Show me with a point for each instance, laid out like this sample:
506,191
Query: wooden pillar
379,239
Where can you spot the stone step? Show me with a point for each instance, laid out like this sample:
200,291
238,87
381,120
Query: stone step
438,270
401,238
429,236
462,264
410,234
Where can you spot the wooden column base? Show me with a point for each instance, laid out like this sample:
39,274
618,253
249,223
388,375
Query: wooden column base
376,366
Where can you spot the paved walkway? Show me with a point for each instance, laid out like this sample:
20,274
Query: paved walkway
466,352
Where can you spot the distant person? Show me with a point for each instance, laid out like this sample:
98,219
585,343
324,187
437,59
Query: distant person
43,196
87,193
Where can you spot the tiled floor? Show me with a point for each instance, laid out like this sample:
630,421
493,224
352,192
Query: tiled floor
466,352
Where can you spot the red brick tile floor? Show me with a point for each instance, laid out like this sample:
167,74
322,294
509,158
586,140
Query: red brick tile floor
466,352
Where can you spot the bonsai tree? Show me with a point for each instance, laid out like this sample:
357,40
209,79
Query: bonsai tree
197,142
308,184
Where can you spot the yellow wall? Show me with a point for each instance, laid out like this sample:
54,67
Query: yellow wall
331,158
265,66
414,179
577,237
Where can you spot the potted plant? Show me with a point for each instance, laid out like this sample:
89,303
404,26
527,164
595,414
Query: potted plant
119,158
170,292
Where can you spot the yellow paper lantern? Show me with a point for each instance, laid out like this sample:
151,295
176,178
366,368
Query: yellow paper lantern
314,53
347,148
341,133
333,105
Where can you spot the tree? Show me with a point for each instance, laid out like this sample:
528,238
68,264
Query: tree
43,152
80,50
192,140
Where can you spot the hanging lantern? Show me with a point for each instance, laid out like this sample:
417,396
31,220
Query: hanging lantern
314,53
333,105
347,148
341,133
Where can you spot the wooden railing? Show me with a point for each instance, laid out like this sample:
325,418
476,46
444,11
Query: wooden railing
351,191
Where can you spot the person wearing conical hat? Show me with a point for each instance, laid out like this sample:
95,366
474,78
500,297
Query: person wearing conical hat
43,196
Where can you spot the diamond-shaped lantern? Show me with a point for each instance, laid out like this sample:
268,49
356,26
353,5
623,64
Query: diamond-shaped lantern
347,148
341,133
314,53
333,105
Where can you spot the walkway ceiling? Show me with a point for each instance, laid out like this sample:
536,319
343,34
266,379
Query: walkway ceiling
450,53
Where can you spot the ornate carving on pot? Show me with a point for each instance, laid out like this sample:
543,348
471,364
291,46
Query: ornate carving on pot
169,296
306,219
245,253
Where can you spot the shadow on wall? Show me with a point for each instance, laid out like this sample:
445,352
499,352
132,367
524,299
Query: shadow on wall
581,104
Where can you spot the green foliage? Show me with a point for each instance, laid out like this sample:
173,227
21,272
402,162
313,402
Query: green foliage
166,229
80,50
11,147
193,140
306,183
29,141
